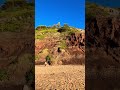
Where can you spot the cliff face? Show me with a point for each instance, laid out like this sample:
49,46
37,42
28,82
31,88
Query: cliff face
102,35
76,39
10,50
16,43
63,47
102,32
102,51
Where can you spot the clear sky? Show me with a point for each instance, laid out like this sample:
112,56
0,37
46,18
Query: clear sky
50,12
1,2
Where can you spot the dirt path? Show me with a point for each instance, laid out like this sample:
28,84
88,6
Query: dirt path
65,77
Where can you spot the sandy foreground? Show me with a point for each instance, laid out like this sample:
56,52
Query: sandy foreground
63,77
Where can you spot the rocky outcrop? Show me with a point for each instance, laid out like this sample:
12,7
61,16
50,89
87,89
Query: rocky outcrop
76,39
63,48
102,60
16,44
16,53
104,32
10,50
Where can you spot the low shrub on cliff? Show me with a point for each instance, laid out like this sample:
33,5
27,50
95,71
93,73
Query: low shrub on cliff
3,75
12,17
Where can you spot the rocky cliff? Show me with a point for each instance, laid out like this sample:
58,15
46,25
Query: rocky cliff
103,33
63,46
102,51
16,44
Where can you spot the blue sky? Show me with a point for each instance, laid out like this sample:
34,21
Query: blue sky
50,12
108,3
1,2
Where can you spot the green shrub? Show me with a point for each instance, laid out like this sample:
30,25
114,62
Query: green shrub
41,27
64,28
48,58
13,18
3,75
36,57
71,32
93,10
63,44
40,37
30,76
61,30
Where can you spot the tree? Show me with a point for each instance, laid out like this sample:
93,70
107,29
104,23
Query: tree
66,26
41,27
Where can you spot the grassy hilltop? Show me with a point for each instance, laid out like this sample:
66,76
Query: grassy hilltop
16,15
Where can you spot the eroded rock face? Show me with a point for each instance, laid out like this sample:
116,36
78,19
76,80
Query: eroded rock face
76,39
63,49
104,32
102,50
103,29
10,50
75,49
16,58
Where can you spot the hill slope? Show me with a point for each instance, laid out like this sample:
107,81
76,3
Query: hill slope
64,45
102,33
16,44
102,48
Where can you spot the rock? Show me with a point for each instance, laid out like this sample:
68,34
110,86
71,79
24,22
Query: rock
46,64
76,39
9,48
104,32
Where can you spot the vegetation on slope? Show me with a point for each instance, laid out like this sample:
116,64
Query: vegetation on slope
93,10
15,16
51,41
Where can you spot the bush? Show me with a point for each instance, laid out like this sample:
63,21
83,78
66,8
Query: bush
48,59
71,32
64,28
41,27
13,18
30,76
61,30
63,44
3,75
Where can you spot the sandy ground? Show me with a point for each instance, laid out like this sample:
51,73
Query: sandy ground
64,77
